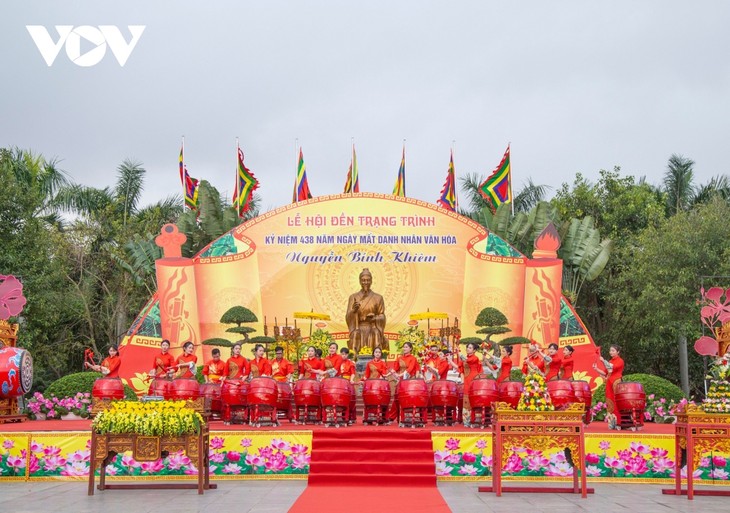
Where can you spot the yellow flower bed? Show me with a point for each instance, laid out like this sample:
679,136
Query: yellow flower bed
160,418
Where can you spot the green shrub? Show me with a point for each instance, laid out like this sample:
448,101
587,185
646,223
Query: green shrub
660,387
71,384
516,375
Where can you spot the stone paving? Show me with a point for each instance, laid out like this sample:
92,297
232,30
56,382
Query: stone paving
278,496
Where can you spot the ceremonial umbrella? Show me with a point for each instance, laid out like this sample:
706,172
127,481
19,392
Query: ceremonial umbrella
427,316
311,315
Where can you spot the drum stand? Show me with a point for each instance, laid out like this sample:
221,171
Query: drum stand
236,414
308,414
285,413
413,417
632,419
263,415
444,415
481,416
336,415
374,414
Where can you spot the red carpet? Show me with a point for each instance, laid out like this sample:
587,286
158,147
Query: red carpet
371,469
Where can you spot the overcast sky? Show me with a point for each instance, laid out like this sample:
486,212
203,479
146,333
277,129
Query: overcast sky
574,86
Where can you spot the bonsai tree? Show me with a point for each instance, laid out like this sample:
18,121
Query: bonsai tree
239,315
513,341
220,342
492,322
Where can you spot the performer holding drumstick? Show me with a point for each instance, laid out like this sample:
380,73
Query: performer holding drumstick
613,374
109,367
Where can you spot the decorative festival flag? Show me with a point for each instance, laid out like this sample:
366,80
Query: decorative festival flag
353,179
190,185
400,183
301,185
246,183
448,193
497,188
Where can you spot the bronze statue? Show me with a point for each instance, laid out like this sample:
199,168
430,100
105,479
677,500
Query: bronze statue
366,317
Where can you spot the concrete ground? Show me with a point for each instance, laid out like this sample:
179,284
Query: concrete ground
278,496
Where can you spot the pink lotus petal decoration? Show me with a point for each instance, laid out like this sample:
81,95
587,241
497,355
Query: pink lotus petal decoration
707,346
12,299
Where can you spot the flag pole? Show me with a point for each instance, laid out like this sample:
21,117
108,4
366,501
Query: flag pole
295,198
238,181
404,169
511,195
456,197
184,176
352,165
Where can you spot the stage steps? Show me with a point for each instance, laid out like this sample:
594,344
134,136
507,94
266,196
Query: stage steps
367,457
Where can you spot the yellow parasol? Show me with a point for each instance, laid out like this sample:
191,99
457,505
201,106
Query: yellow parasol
428,315
312,315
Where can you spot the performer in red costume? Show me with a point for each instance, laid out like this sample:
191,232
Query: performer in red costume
237,366
376,368
613,374
566,368
347,367
185,363
555,363
442,365
472,369
406,364
431,364
309,366
281,368
164,362
260,365
214,369
109,367
348,372
536,360
502,364
332,362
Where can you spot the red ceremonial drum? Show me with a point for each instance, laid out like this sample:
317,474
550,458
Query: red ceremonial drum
184,388
108,388
630,395
413,393
285,395
376,392
336,392
483,393
444,393
212,392
263,391
510,392
561,393
161,387
16,372
583,394
307,392
234,392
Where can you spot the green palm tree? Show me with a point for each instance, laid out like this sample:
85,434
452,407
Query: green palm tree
678,184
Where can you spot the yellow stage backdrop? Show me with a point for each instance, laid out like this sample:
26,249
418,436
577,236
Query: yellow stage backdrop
308,256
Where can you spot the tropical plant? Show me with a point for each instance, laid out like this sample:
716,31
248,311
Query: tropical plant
584,255
678,184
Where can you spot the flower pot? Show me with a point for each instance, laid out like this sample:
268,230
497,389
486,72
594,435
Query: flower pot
71,416
40,416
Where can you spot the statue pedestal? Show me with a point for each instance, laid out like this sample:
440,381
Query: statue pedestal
362,362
